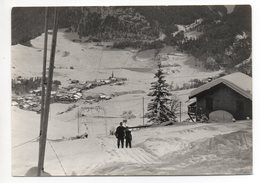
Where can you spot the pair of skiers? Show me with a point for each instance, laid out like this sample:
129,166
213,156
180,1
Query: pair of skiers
123,133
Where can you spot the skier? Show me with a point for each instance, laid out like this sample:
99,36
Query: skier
128,137
120,135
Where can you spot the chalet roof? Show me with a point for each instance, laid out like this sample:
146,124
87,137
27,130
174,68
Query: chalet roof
238,81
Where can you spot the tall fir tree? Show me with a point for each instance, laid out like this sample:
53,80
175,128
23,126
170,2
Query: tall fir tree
158,108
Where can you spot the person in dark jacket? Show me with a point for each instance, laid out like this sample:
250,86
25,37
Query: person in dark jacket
120,135
128,138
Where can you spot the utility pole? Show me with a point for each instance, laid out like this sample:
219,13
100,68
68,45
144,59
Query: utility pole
43,80
104,113
44,65
180,111
106,127
78,121
43,135
143,111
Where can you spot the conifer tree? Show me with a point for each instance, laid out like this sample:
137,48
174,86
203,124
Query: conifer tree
158,108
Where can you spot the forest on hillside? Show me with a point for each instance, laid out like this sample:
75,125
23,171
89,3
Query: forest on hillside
225,39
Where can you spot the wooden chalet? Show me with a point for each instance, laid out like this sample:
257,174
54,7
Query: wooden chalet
231,93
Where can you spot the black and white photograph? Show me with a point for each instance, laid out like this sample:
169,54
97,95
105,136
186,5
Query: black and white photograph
131,90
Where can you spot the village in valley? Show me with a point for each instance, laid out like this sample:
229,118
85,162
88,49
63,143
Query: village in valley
188,108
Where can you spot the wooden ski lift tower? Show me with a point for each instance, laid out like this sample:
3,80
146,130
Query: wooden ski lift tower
45,102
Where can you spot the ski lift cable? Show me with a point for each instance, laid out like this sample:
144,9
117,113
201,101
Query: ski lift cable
34,139
139,98
58,158
90,109
185,76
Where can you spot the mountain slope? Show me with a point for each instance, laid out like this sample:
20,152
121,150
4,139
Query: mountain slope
214,41
138,21
225,42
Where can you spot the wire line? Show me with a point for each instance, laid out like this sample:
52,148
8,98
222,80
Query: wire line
58,159
25,142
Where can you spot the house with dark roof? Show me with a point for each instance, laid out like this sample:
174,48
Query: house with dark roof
231,93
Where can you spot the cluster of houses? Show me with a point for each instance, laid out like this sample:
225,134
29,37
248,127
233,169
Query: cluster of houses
68,94
230,94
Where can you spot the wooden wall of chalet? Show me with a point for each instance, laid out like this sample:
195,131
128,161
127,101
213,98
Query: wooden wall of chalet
222,97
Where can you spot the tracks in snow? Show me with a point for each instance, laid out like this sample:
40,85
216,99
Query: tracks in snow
134,156
113,156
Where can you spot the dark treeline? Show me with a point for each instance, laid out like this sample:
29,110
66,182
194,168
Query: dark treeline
28,22
136,22
223,44
23,85
140,26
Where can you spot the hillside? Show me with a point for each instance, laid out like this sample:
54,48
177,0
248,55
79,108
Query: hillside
111,22
222,43
220,40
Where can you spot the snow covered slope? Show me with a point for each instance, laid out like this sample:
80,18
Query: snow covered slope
162,151
98,154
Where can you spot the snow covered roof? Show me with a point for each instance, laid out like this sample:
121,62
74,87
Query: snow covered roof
238,81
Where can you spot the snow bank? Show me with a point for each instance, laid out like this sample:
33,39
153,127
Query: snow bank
223,154
220,116
230,153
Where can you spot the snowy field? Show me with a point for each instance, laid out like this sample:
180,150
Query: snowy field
176,150
191,149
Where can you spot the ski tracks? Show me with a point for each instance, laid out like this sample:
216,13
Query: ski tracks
132,155
114,156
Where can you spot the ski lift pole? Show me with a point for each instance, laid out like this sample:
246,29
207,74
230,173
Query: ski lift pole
43,136
78,120
180,111
43,79
143,111
104,112
44,66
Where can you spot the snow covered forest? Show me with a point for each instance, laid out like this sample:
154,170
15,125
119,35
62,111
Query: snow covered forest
132,64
